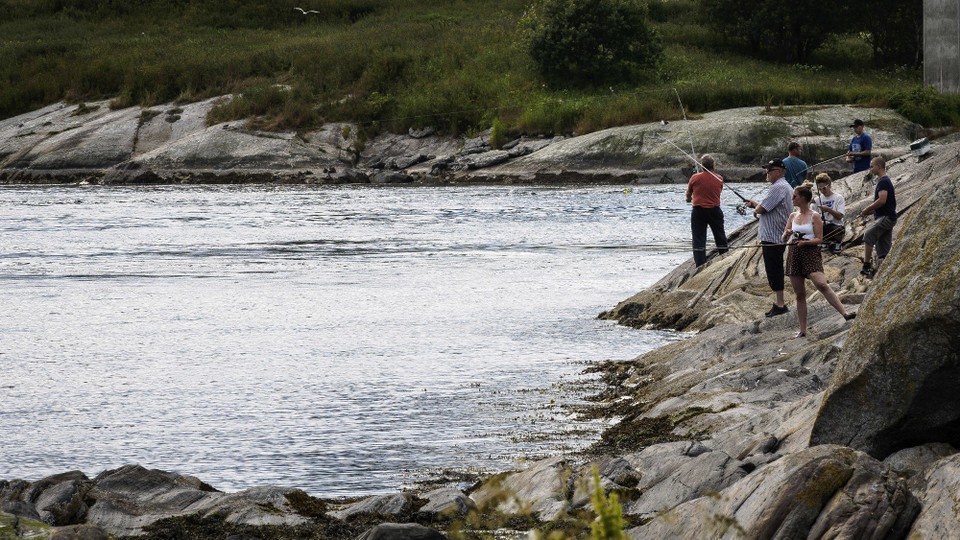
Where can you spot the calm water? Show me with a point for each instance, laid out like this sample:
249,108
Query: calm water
342,340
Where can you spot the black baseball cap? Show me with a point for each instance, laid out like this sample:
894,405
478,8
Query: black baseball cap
777,162
857,122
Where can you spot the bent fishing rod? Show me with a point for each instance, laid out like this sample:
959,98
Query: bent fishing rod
715,175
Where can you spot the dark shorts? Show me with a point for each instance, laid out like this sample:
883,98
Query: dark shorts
833,232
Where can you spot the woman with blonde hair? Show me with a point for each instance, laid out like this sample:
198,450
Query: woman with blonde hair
804,232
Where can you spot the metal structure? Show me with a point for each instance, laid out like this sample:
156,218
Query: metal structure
941,45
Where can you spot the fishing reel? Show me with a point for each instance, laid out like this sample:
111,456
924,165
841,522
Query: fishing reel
742,209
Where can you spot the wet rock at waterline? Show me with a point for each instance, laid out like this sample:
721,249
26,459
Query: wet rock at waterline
826,491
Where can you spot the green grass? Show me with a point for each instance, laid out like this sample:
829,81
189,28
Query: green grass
396,64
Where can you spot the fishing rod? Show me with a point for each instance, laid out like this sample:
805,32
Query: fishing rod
821,163
715,175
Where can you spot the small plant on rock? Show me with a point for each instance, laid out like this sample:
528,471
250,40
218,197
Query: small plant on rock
609,523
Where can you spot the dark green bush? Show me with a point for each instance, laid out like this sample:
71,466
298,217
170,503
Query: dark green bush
927,107
590,42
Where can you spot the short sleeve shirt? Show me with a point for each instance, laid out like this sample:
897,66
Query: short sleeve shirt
706,187
796,168
778,205
890,207
834,202
861,143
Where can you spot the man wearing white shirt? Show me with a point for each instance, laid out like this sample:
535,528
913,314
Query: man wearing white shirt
832,207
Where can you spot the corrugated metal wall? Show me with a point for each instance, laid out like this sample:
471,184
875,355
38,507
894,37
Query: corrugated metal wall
941,45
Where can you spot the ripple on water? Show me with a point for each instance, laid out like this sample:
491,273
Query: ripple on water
346,340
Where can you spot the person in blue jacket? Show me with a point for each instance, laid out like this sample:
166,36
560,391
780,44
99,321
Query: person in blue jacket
858,152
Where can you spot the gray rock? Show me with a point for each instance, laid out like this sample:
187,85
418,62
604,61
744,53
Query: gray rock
79,532
447,500
63,503
401,531
406,161
940,517
706,473
20,508
257,506
391,177
379,505
740,139
485,159
36,489
132,497
615,473
475,145
540,489
341,176
657,462
175,137
911,462
896,381
822,492
421,133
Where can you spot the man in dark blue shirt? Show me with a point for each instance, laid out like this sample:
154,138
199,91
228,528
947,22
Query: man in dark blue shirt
884,210
858,152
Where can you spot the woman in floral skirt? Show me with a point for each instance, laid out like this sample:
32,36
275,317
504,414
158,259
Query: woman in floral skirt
804,232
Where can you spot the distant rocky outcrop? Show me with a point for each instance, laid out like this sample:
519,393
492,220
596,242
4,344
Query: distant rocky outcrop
172,143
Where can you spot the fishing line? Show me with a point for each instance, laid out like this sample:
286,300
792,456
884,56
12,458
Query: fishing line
683,113
685,249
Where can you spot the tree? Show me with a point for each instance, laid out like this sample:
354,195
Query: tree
588,42
896,31
784,31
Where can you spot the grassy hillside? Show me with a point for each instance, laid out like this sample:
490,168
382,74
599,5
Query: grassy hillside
394,64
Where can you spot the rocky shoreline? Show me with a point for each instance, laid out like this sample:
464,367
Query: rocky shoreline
89,143
738,431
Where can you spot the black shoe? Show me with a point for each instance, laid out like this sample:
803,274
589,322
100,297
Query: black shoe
777,310
850,316
868,270
836,248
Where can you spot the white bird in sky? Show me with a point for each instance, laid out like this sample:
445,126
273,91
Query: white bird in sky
307,11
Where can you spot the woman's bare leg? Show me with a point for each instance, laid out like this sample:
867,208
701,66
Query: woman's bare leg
820,281
800,289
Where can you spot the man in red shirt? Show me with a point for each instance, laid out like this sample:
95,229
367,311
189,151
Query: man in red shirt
703,190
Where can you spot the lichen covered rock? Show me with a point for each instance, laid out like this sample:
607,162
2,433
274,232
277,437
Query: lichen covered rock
895,385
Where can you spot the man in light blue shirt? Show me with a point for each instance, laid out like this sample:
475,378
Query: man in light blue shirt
774,211
796,167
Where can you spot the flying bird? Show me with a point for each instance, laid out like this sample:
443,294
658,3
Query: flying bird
307,11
